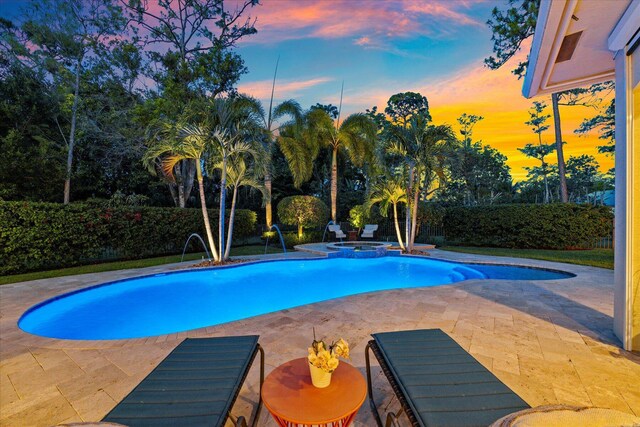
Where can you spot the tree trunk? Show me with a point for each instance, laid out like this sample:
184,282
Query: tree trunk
223,196
300,231
174,193
188,179
398,232
334,185
72,136
546,186
179,181
407,221
559,149
414,217
232,215
268,207
205,214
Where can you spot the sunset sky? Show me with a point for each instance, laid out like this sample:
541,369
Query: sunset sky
379,48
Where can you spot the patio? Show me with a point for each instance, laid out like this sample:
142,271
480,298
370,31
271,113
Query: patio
550,341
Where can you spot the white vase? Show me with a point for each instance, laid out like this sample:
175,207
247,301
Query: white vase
319,377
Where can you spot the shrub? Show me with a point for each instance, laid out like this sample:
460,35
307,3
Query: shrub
37,236
528,226
303,211
430,213
358,216
292,239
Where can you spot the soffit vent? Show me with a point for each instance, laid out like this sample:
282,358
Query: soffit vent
568,46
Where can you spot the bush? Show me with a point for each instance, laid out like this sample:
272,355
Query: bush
292,239
358,217
303,211
37,236
528,226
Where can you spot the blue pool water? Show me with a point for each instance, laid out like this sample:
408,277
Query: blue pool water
180,301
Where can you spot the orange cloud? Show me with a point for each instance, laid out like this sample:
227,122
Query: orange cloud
284,88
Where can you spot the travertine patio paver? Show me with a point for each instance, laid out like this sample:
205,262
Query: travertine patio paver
551,341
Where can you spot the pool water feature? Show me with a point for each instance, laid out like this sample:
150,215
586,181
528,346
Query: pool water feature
184,300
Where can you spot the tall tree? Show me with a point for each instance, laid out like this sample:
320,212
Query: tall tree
240,175
173,144
65,39
604,122
537,121
422,149
266,121
583,173
190,49
402,107
467,153
510,28
355,135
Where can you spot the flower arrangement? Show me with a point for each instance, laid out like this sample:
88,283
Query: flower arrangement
326,358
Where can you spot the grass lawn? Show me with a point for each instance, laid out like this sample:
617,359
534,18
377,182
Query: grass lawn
594,257
124,265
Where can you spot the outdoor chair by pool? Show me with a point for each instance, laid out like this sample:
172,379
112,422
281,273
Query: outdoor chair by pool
335,229
369,231
437,382
195,385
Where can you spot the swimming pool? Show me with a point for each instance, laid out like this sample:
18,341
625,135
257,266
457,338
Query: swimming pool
184,300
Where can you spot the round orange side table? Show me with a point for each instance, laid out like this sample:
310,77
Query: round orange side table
293,401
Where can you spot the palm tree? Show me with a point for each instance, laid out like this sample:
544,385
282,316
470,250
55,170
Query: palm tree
422,149
356,135
171,147
239,175
265,121
389,192
233,130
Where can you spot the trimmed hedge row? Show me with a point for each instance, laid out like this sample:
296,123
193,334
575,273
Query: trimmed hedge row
37,236
528,226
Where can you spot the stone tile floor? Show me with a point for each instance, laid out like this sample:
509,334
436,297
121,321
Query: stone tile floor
550,341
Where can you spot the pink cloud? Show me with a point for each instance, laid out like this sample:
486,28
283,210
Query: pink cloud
294,19
284,89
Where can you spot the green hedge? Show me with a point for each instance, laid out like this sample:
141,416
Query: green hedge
528,226
38,236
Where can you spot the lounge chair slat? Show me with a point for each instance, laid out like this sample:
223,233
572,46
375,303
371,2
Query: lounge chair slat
160,396
172,410
434,360
193,421
189,383
454,390
438,383
481,418
468,403
196,384
452,368
207,364
449,379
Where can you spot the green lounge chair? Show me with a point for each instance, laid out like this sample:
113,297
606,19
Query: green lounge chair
195,385
437,382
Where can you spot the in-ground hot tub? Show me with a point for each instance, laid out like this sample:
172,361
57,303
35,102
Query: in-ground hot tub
360,249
